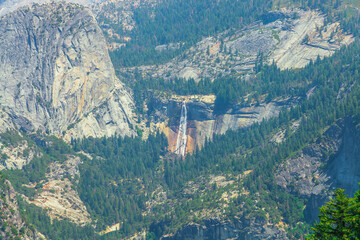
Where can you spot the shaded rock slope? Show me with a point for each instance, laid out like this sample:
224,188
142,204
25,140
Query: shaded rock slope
221,230
281,41
56,74
7,6
333,161
11,221
203,121
58,194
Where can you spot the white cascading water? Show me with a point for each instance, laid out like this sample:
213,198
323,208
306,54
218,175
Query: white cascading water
181,138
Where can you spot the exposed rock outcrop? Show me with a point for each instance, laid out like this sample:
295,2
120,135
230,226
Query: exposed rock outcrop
11,221
15,157
211,221
7,6
240,230
5,121
306,38
58,194
56,74
332,161
204,122
281,40
107,12
120,13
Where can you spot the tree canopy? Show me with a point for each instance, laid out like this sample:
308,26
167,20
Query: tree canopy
339,218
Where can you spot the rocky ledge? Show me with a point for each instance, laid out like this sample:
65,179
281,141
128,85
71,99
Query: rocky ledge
244,229
331,162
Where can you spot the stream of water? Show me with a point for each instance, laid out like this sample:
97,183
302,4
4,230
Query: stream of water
182,138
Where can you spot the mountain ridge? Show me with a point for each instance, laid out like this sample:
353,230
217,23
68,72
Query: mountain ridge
58,76
265,147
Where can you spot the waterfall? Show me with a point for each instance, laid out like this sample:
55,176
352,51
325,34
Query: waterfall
181,138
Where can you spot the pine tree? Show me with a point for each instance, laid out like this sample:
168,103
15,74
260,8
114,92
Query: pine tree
339,218
355,213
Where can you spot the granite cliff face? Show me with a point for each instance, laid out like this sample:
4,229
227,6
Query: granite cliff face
203,121
58,194
11,221
280,40
331,162
56,74
240,230
7,6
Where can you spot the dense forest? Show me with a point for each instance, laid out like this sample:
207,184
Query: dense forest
186,22
269,82
123,161
223,154
116,193
118,176
339,218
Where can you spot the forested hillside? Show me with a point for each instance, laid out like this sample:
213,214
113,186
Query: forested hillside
186,22
183,22
119,187
118,169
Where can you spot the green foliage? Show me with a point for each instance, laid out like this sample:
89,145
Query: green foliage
37,217
228,90
116,178
336,10
10,138
48,148
250,148
3,156
118,181
321,110
185,21
339,218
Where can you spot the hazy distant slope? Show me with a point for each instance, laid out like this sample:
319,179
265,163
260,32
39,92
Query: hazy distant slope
7,6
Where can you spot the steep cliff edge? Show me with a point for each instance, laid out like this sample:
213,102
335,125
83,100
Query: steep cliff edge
57,193
331,162
281,41
242,230
7,6
203,121
56,74
11,221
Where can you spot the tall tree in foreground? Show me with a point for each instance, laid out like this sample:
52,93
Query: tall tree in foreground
339,218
